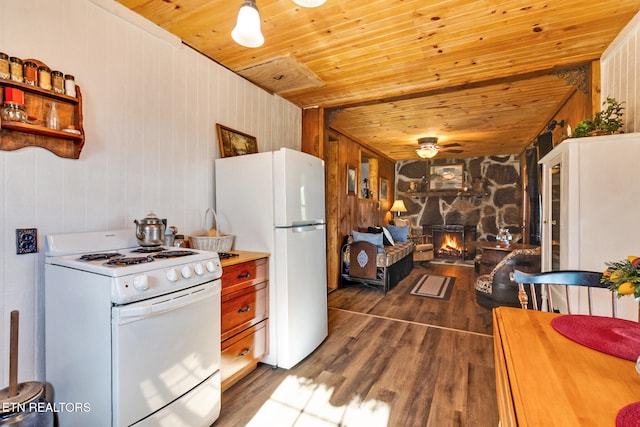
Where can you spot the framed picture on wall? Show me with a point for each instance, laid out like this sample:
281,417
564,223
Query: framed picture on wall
446,177
384,189
235,143
351,180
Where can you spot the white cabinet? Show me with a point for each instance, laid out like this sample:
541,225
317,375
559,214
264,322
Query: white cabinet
591,212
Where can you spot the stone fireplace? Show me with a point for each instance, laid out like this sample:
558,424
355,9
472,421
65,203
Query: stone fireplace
491,197
452,241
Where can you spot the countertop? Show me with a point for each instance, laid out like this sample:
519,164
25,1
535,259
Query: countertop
243,256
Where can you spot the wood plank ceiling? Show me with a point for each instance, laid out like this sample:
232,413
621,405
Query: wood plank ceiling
391,71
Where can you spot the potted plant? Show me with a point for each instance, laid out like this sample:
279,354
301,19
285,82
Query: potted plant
605,122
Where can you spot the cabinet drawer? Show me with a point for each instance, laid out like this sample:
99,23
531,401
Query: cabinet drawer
241,353
237,276
243,308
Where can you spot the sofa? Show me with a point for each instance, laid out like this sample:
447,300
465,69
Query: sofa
373,258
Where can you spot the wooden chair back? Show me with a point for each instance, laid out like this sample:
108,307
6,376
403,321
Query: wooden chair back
586,279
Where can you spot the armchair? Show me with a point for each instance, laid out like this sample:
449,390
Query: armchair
498,288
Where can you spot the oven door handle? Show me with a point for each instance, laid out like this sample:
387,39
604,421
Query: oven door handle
125,314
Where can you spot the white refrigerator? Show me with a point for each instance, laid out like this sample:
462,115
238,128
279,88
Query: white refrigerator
274,202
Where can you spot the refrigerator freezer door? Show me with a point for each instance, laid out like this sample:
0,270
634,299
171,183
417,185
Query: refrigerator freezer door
244,200
301,293
298,188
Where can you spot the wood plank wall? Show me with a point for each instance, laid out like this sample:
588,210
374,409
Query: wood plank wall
620,73
346,212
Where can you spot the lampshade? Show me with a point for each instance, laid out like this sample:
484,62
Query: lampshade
247,31
427,151
309,3
398,206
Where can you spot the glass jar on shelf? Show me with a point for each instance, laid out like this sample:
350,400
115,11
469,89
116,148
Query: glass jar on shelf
30,73
14,113
4,66
44,77
57,81
69,85
15,67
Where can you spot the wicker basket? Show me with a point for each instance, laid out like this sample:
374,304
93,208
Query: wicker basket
212,243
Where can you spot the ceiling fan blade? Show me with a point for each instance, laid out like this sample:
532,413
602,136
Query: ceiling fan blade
452,144
446,150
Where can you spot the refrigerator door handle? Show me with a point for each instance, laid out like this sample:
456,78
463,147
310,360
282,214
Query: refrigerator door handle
306,228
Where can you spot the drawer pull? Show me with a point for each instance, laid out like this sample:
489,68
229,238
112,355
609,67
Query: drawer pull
244,352
244,275
245,310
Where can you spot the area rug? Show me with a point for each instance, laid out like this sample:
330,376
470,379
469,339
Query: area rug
431,286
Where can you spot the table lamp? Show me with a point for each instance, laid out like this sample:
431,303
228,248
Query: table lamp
398,206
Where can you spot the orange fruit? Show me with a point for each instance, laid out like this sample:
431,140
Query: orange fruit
627,288
632,258
615,275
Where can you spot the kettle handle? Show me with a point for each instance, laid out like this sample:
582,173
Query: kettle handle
139,232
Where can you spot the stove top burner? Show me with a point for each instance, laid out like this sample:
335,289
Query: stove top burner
173,254
118,262
100,256
225,255
148,249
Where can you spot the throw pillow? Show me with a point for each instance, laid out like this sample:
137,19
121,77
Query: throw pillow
386,236
399,234
375,239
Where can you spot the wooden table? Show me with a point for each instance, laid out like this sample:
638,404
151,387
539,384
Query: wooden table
545,379
492,253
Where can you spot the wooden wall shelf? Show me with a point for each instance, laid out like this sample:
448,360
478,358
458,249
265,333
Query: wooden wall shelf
16,135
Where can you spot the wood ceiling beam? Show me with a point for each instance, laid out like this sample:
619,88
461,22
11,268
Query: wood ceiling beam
461,87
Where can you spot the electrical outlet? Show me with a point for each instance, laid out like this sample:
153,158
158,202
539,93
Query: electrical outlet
26,240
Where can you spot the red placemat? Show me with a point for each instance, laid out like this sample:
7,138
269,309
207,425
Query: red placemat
617,337
629,416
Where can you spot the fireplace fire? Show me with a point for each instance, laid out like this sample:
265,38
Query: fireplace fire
452,241
450,247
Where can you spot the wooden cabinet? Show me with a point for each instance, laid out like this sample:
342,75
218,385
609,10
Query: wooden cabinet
15,135
245,313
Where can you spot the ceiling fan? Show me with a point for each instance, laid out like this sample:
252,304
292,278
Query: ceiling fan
429,147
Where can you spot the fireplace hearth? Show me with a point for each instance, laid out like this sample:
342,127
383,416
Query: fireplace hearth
452,241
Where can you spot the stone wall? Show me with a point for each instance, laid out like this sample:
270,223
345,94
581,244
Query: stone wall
491,197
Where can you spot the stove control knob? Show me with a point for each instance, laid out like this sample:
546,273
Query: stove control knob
199,269
141,282
186,272
172,275
211,266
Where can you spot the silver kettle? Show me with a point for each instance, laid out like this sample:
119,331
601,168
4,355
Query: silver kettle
150,230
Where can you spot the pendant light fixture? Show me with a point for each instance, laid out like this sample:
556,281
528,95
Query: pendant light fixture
247,31
309,3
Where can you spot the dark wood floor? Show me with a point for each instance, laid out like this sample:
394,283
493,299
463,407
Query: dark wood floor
390,360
